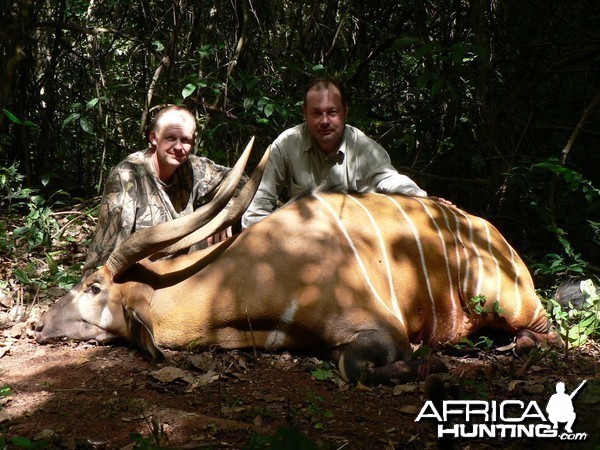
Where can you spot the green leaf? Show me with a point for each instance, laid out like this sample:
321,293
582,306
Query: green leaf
188,90
21,276
12,117
589,290
20,231
158,46
22,442
86,125
551,166
5,391
93,102
574,334
323,372
72,117
248,103
321,375
269,108
496,307
37,200
586,323
52,265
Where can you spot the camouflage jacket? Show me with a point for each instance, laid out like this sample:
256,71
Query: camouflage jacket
135,198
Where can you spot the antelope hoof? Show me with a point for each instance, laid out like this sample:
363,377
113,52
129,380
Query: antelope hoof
403,371
527,340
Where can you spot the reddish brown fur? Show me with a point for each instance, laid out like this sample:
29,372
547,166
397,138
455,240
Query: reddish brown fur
315,275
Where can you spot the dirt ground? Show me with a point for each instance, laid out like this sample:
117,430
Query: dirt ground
85,396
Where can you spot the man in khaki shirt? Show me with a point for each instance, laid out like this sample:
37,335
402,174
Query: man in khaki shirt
325,151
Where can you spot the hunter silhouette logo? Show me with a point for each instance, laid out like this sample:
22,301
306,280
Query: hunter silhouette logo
560,407
505,419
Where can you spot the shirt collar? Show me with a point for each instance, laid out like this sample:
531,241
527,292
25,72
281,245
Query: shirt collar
336,158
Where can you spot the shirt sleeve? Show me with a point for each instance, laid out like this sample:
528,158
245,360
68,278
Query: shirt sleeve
208,177
116,219
271,185
394,182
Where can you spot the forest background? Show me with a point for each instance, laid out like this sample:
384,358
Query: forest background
492,104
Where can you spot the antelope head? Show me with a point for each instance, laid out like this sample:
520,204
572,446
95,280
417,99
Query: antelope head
107,306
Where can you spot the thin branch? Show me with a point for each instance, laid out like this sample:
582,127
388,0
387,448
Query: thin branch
252,335
584,117
238,50
503,189
165,62
565,153
337,33
79,28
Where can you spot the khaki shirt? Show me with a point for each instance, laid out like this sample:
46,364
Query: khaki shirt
297,164
135,198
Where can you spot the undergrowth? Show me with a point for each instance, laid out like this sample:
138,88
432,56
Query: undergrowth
579,323
41,236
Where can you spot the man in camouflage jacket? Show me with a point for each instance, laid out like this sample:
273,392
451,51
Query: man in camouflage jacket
154,186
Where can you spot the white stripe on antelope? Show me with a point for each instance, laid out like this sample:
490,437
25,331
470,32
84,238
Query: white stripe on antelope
363,275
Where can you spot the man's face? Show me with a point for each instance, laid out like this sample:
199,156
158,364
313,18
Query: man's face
173,140
325,116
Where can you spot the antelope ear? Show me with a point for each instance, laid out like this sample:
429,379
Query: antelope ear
136,302
143,337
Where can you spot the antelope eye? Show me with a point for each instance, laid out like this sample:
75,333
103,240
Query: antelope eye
95,289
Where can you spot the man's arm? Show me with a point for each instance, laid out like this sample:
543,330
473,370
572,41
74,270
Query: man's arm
271,185
116,219
394,182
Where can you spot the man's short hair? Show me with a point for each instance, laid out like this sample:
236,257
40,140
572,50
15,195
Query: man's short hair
166,109
324,83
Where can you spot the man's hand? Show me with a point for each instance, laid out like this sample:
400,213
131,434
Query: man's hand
443,200
219,237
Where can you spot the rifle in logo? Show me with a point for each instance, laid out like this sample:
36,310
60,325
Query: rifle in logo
560,407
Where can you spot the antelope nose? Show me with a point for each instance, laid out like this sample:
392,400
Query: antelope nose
40,326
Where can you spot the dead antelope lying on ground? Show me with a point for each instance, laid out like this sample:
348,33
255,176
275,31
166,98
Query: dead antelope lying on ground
361,275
